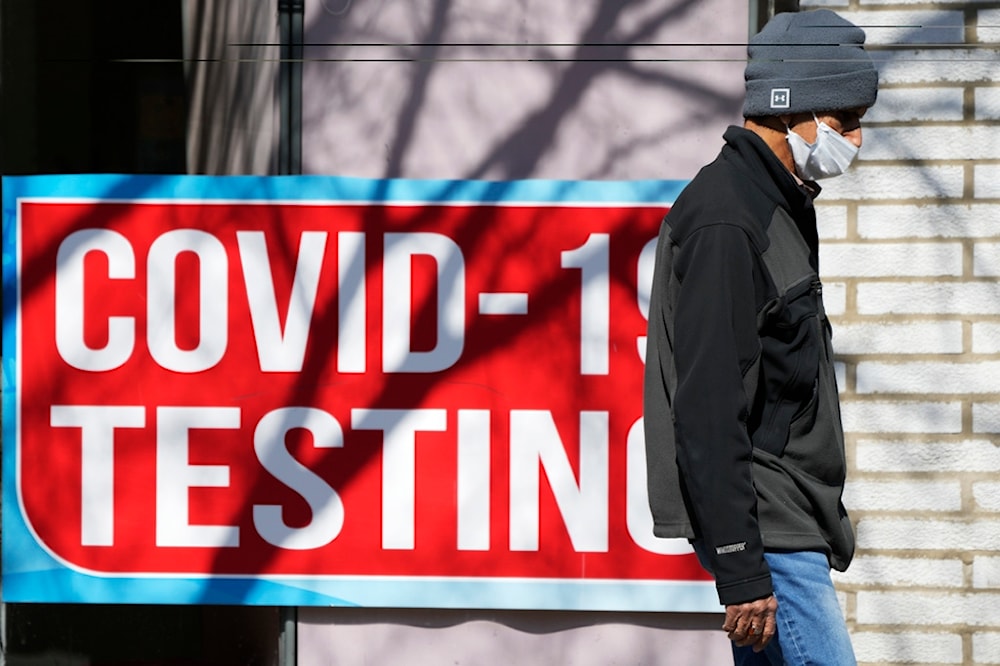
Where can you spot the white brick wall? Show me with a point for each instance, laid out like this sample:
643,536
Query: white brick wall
865,182
927,66
943,377
923,104
908,648
940,534
986,417
987,103
917,26
834,297
987,495
919,609
986,572
929,220
986,647
944,143
882,337
986,337
941,457
988,26
908,495
834,222
987,178
891,259
910,258
986,260
903,571
901,416
930,298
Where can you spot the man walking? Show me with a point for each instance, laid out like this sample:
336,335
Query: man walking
742,419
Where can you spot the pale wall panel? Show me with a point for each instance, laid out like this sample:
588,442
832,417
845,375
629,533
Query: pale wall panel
532,89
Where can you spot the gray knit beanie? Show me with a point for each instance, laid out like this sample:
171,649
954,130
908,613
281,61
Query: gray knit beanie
808,61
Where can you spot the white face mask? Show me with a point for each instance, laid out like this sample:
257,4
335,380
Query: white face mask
829,156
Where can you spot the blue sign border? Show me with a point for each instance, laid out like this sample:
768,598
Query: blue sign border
31,574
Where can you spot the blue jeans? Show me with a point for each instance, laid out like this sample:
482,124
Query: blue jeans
811,628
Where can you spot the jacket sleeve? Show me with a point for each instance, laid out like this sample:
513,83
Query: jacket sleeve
716,343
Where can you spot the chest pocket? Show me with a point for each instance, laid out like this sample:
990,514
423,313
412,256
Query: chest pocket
792,335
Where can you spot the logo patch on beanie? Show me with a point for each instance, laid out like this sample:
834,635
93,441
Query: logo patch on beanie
780,98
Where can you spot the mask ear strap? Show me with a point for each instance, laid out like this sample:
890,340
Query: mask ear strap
815,119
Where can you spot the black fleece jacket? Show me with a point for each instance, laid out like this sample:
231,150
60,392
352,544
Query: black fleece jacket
744,442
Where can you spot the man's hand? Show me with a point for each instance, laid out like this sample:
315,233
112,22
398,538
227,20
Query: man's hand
752,623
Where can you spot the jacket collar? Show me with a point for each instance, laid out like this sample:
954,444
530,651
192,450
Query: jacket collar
750,153
767,171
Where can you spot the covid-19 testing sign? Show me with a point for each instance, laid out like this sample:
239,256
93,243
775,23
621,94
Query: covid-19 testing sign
331,391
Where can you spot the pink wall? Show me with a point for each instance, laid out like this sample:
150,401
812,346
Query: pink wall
363,637
499,90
